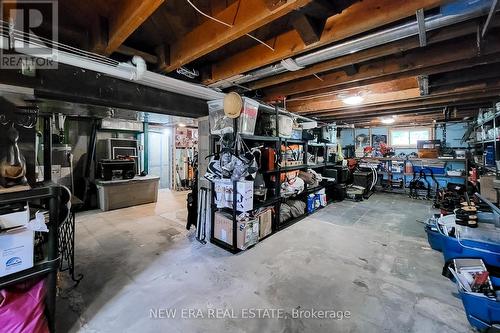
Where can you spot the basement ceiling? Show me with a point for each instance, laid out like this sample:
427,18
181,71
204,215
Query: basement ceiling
452,70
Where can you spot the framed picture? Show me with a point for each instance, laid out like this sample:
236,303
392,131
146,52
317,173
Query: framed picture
377,139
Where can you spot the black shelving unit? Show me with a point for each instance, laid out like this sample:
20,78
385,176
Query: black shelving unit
48,267
275,201
481,145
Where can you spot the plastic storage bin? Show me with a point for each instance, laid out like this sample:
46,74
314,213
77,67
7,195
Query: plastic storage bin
427,170
248,116
454,248
434,238
220,124
482,312
286,126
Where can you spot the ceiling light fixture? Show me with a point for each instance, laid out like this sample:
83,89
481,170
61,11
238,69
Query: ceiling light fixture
388,121
353,100
181,125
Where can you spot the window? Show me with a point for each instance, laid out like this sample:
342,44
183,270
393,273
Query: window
408,137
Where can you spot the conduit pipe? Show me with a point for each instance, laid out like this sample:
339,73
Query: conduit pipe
367,41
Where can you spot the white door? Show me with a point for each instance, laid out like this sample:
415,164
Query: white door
159,155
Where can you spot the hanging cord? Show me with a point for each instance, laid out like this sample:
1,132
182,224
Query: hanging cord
226,24
208,16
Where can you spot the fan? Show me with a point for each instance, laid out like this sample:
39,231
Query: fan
361,139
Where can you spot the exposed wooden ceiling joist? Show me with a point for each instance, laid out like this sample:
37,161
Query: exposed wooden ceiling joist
370,54
397,113
127,18
373,97
457,79
358,18
418,62
453,98
244,16
6,8
327,104
410,118
129,51
376,88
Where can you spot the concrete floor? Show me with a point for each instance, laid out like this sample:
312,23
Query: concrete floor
370,258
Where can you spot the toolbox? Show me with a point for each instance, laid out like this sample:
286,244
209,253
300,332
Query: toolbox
340,174
363,179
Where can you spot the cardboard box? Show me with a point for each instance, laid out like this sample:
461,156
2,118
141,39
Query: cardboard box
18,217
16,251
265,223
224,194
247,231
487,188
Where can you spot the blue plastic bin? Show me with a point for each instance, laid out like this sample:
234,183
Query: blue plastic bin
465,248
435,170
482,312
435,238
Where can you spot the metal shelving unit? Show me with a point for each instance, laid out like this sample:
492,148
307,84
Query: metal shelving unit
274,201
480,146
50,264
406,177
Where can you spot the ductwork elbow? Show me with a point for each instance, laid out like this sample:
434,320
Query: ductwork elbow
140,67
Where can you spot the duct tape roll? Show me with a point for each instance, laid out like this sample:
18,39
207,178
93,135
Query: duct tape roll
233,104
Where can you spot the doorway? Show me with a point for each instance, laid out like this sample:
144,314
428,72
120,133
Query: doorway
160,155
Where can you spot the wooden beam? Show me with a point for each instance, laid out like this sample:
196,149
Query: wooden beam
309,28
374,98
72,84
6,8
448,67
244,16
442,99
408,117
273,4
376,88
129,51
360,17
129,15
461,77
99,35
460,30
163,54
422,110
414,63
